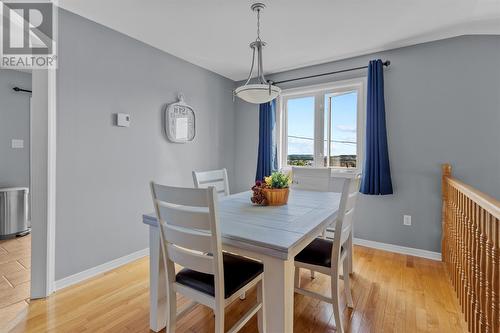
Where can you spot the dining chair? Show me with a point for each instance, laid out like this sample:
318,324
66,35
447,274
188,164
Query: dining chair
190,237
217,178
328,256
312,179
308,178
337,184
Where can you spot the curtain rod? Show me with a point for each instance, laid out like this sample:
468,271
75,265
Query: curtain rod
21,89
385,63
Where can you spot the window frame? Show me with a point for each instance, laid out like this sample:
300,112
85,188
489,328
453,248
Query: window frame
319,92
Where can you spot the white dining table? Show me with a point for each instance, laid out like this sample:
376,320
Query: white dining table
271,234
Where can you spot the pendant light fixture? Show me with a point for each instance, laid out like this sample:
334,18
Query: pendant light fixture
263,91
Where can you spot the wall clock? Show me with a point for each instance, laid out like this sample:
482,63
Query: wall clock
180,122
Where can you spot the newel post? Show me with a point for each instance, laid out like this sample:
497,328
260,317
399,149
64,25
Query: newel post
446,173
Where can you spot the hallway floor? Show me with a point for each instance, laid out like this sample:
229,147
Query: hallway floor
15,263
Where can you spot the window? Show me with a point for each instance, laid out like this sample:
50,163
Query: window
300,144
323,125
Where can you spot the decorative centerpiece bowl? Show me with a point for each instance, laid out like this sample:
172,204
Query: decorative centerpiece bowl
273,191
276,196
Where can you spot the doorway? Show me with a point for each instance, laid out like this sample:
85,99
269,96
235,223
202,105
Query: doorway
42,190
15,186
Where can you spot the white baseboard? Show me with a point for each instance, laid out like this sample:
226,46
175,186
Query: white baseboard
91,272
398,249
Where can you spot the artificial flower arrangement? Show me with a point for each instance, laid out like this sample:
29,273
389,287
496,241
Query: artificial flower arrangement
273,191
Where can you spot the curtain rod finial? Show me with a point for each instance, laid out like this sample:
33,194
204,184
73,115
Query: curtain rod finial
387,63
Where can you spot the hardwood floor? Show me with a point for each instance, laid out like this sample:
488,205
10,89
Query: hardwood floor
15,263
392,293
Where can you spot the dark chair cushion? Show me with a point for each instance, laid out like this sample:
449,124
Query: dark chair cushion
238,271
319,253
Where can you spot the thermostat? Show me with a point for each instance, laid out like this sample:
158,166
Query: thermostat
123,120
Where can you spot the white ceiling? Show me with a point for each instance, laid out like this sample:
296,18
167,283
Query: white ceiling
215,34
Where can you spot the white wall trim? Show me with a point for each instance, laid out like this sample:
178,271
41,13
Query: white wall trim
51,179
43,182
103,268
398,249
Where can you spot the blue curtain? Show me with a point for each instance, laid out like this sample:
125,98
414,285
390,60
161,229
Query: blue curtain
376,171
267,157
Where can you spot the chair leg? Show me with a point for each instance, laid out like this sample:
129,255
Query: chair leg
172,311
347,283
349,254
261,315
296,279
243,296
219,318
335,301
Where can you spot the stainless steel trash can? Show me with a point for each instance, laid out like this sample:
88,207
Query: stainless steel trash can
13,211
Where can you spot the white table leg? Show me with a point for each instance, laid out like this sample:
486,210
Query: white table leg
157,283
278,294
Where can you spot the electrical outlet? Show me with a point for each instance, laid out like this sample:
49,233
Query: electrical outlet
407,219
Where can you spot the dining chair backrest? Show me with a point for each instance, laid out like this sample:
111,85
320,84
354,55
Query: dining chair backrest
189,229
314,179
337,178
216,178
344,221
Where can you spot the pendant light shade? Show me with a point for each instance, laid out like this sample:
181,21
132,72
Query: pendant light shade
257,93
263,91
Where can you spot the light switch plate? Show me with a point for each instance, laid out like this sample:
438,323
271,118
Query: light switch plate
17,144
407,219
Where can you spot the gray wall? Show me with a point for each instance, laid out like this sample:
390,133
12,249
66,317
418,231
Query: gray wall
14,124
442,105
103,171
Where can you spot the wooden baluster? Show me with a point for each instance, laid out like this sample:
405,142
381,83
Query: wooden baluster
457,246
460,252
482,292
453,233
470,264
463,256
449,216
475,264
489,273
467,295
466,261
456,261
479,285
495,276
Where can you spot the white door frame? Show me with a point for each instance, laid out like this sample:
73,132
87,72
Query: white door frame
43,185
42,171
